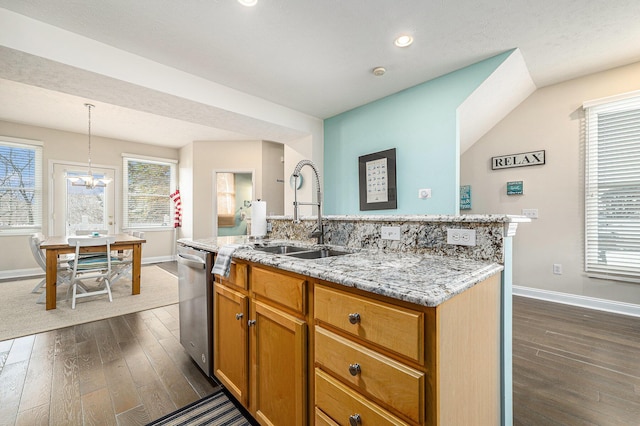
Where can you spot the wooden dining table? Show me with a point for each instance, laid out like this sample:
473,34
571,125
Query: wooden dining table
58,245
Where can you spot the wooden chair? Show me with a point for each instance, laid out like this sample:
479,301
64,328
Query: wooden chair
125,264
95,265
63,275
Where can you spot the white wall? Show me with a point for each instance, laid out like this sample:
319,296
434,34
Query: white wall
550,119
273,180
72,147
206,157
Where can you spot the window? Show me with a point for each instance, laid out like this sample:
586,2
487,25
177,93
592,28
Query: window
20,185
612,193
147,186
226,188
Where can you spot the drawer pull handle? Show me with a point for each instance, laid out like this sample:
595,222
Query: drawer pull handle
239,316
355,420
354,318
251,322
354,369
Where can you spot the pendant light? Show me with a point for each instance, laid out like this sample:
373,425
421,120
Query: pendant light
89,181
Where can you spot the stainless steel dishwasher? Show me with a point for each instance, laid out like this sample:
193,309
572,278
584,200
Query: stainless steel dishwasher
195,290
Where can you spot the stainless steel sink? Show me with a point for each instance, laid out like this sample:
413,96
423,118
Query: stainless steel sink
281,249
300,252
317,254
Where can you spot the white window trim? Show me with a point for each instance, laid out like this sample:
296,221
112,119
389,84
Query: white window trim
39,167
125,205
627,268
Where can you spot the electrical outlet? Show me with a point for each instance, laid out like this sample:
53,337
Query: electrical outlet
390,233
530,213
557,269
424,193
461,237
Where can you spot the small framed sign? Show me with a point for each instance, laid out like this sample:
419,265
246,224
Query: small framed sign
515,188
534,158
465,197
377,173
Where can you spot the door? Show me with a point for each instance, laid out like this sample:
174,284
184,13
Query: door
279,370
77,207
230,342
233,192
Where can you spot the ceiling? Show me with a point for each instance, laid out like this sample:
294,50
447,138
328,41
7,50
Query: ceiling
316,57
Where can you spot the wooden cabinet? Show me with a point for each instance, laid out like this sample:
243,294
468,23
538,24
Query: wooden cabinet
278,362
384,362
369,359
230,342
261,343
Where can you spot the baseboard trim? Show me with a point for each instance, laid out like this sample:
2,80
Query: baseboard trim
581,301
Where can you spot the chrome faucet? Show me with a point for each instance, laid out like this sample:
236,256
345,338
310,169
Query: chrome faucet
319,232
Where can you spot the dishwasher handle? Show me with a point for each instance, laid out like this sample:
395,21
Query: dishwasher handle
191,261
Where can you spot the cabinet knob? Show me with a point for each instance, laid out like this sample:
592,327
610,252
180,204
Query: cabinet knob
354,318
355,420
239,316
251,322
354,369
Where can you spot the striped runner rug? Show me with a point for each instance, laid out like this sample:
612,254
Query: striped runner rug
215,409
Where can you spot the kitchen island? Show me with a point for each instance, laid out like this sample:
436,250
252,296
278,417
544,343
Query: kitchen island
389,333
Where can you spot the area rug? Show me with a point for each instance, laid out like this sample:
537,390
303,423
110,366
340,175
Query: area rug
20,315
216,409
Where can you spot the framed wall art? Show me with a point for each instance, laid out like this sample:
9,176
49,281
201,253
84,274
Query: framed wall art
377,175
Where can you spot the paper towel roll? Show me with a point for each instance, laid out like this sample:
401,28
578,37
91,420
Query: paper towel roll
258,218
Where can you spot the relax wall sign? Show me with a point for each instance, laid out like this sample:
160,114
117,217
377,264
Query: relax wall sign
535,158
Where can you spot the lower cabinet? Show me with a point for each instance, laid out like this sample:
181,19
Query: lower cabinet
230,342
261,349
367,360
278,348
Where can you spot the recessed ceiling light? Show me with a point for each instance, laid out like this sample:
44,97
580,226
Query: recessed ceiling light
378,71
403,41
248,3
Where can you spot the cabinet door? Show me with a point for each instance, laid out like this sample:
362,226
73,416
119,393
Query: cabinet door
278,360
230,352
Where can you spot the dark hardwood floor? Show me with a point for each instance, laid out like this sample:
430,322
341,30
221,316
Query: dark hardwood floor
127,370
571,366
574,366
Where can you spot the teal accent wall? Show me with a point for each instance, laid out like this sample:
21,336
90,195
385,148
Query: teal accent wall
421,123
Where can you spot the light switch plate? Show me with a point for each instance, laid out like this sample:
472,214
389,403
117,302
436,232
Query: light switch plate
530,213
390,233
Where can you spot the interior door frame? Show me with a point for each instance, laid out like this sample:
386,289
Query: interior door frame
214,195
116,190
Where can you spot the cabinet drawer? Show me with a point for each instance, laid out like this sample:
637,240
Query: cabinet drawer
339,403
286,290
398,329
237,276
387,380
323,420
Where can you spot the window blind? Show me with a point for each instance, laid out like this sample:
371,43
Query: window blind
20,186
612,190
148,185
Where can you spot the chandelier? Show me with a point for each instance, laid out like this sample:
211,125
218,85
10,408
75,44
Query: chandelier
89,180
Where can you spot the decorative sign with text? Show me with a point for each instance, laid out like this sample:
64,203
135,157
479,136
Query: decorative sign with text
465,197
535,158
515,188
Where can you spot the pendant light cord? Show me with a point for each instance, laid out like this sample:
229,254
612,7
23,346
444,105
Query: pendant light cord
89,106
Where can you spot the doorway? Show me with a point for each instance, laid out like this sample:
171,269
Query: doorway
233,192
80,208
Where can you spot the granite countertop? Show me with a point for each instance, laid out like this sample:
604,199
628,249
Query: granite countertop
416,278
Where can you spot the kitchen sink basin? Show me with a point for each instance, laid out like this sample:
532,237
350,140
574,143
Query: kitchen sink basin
317,254
281,249
300,252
